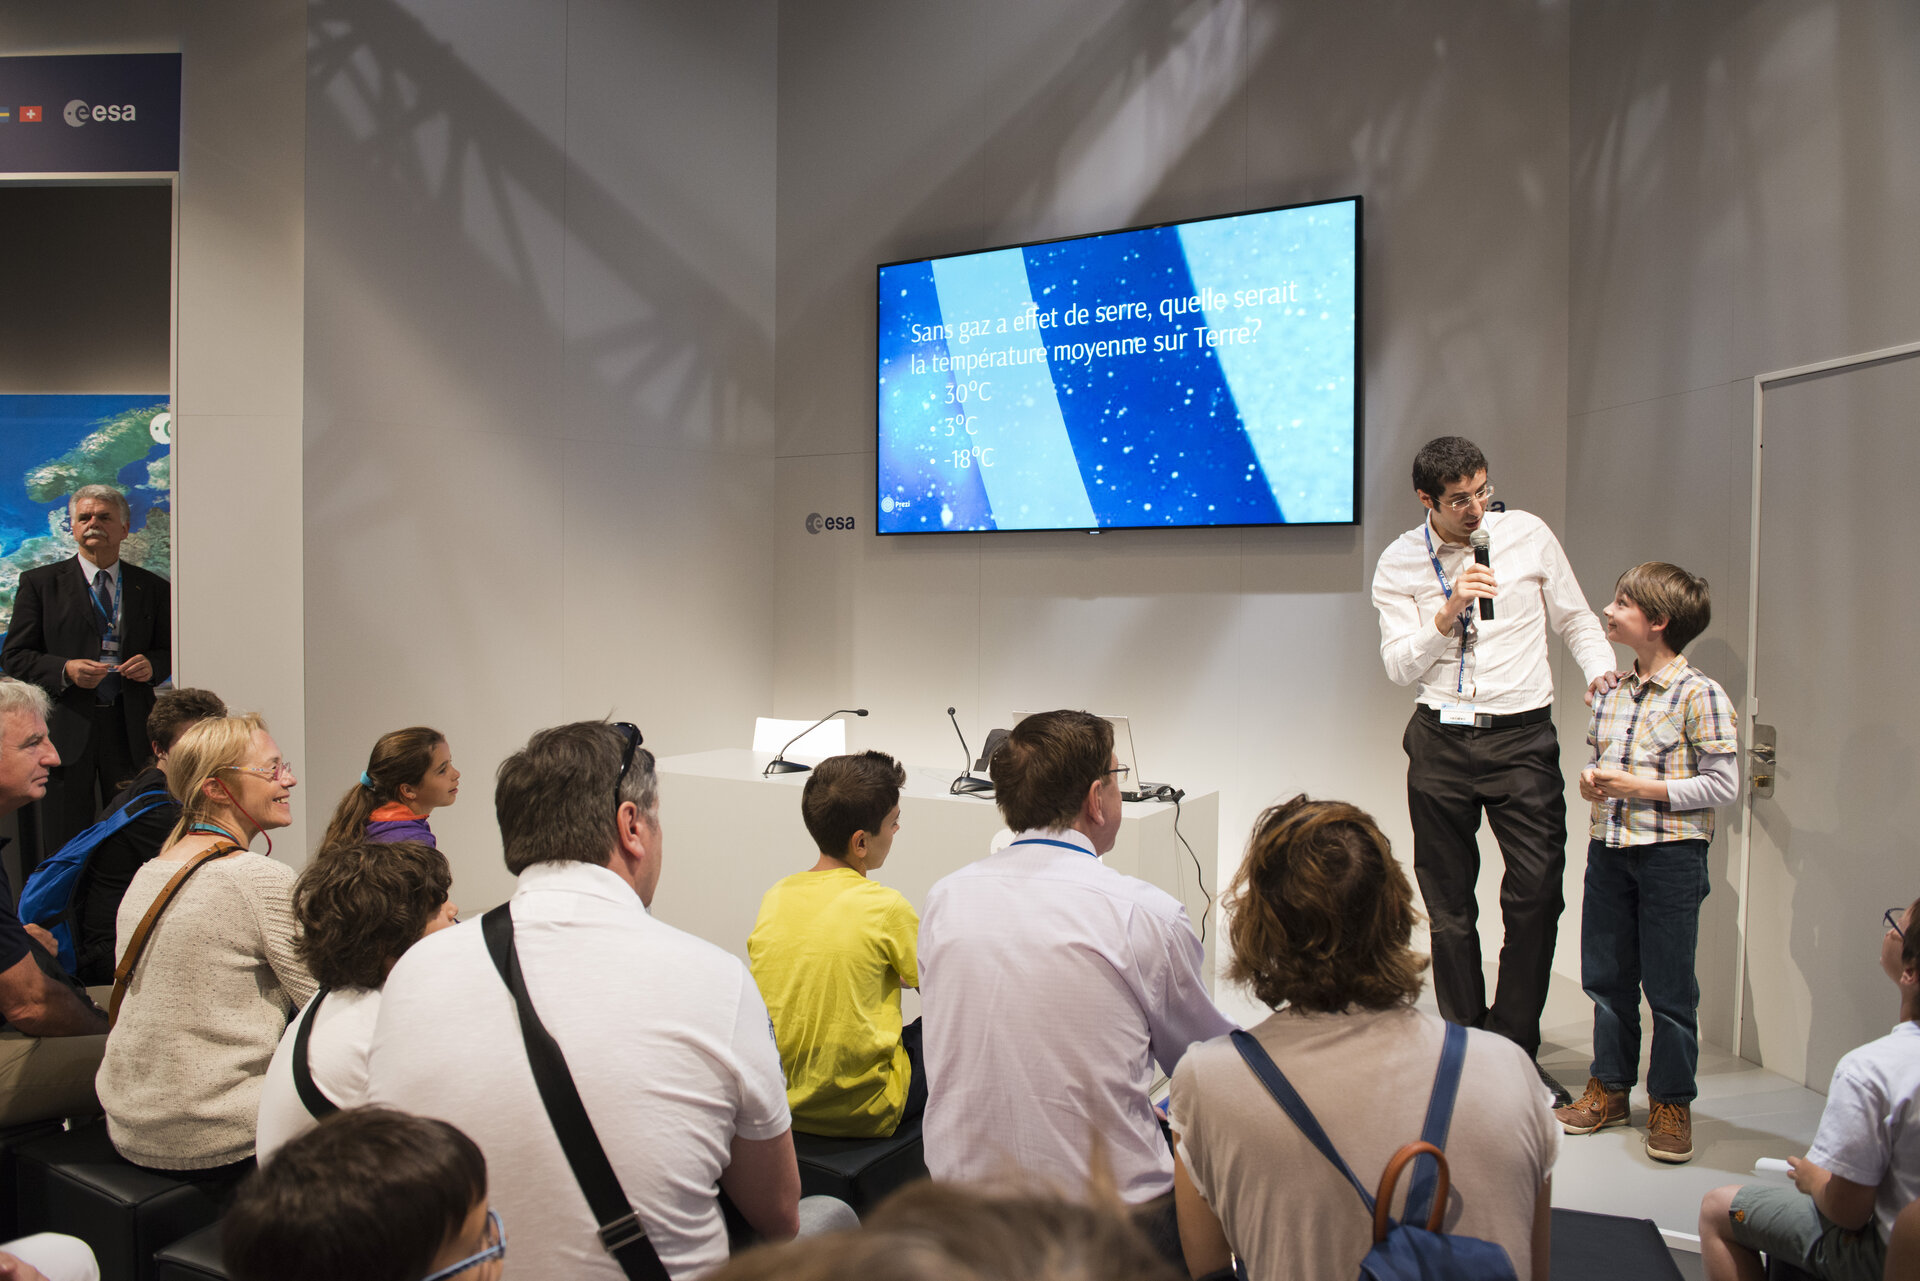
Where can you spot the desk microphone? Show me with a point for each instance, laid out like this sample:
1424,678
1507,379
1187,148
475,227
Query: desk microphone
966,782
781,765
1483,555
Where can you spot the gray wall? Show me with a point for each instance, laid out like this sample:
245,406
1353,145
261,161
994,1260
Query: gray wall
539,381
1744,196
237,333
1247,658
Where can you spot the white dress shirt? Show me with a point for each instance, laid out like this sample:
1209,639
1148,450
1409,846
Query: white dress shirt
90,571
1050,985
664,1034
1506,665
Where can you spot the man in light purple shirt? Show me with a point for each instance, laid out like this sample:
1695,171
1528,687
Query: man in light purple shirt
1051,984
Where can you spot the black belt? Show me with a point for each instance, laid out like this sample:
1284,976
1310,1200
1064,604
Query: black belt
1488,720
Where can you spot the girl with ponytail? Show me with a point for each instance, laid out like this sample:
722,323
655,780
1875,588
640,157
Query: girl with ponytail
409,775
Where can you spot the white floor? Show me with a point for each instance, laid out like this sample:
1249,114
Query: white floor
1743,1112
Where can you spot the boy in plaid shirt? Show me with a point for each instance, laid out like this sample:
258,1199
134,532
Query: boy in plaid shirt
1664,754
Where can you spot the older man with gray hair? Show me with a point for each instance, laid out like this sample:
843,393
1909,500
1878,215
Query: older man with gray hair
664,1036
51,1035
95,633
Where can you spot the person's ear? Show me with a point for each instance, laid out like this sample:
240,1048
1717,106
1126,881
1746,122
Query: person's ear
407,792
1426,501
1658,626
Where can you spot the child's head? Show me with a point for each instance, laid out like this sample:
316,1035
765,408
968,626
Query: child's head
369,1193
174,712
1668,593
852,807
413,766
361,906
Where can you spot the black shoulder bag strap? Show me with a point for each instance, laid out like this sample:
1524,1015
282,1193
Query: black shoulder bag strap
622,1234
318,1105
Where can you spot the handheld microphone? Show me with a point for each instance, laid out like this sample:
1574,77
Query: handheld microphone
1483,555
966,782
781,765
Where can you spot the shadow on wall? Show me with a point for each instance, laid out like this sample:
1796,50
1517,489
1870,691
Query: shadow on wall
457,188
1300,118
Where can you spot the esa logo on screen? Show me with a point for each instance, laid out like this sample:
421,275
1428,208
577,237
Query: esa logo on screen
79,113
816,522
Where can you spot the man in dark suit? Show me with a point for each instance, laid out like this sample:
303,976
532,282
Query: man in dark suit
96,633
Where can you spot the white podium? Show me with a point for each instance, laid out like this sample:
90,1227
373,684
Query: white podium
730,834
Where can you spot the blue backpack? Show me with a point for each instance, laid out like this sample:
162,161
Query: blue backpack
1402,1251
47,897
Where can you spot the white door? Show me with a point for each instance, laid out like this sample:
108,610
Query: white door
1836,673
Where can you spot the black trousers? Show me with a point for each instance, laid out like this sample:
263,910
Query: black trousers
78,789
1453,773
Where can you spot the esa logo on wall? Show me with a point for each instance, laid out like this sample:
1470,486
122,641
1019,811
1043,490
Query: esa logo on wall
78,113
816,522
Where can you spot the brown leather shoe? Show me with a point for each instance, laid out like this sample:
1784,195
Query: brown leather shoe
1670,1132
1597,1109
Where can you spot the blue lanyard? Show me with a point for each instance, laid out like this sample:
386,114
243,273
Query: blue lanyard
1446,591
211,830
1065,845
109,621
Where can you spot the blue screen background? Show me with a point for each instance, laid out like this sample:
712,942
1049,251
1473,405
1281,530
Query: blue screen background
997,412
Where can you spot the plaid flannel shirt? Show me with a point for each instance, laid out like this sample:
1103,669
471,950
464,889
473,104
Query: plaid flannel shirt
1658,727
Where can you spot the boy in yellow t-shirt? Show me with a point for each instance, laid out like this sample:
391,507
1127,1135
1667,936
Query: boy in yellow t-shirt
831,950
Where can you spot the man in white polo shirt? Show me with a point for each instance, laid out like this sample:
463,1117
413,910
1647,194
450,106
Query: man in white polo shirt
1482,736
1050,985
665,1035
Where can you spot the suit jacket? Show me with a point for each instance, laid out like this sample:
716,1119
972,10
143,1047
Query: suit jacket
54,619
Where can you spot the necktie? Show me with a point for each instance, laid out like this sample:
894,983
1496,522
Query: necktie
109,687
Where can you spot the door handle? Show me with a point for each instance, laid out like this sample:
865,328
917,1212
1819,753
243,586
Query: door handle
1761,760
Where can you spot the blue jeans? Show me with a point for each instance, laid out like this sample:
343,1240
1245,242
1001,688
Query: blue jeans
1638,930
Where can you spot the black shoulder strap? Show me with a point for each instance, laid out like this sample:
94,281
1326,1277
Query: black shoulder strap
318,1105
622,1234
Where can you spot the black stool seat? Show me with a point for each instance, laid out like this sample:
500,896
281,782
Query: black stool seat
191,1258
74,1182
10,1138
860,1172
1602,1247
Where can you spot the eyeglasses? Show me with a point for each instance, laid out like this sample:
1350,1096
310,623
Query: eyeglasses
272,773
1121,770
1458,503
1893,921
630,732
498,1250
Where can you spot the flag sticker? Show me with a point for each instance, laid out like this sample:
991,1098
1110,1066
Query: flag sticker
29,115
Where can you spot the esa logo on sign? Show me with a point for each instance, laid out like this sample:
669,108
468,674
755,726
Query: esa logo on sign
816,522
79,113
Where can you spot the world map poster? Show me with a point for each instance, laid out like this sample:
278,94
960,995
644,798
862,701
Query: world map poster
52,445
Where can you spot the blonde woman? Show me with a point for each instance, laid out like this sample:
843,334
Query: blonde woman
211,992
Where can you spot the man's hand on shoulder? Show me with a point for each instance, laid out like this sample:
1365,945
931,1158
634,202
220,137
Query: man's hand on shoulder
86,673
1603,683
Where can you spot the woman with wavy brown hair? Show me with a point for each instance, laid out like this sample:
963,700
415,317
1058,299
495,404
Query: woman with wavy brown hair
360,907
1321,924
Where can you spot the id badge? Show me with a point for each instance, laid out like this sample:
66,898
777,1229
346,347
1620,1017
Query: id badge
1456,714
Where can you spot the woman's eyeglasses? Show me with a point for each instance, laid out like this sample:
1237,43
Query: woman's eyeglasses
497,1250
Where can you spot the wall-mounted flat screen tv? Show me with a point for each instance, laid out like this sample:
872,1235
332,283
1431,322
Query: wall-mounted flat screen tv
1193,373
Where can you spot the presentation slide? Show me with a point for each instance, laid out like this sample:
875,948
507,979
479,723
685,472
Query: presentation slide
1202,373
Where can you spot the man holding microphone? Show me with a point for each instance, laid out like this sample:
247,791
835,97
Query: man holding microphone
1482,735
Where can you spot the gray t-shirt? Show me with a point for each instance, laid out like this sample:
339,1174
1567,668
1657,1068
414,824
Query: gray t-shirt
1366,1076
1870,1130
